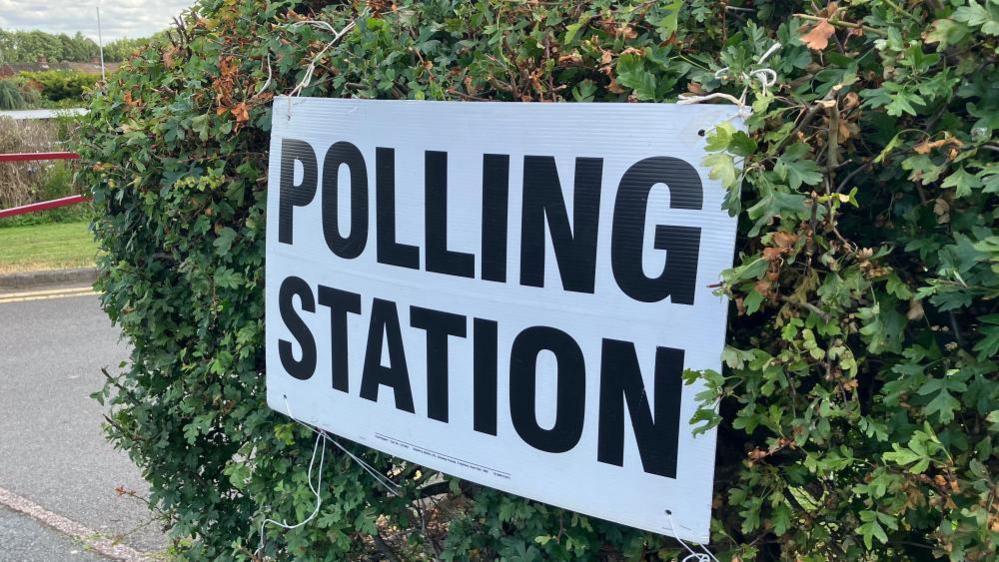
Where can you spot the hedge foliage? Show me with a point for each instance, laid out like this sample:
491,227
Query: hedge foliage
859,405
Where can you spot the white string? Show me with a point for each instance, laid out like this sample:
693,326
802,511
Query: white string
315,490
765,76
322,436
387,483
269,75
693,555
337,35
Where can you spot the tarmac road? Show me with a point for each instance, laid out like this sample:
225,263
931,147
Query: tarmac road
58,474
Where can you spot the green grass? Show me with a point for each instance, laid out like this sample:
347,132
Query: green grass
46,246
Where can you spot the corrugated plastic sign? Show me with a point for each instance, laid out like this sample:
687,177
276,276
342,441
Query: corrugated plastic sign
505,292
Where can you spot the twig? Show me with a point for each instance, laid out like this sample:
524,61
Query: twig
384,548
842,185
808,306
810,115
957,329
841,23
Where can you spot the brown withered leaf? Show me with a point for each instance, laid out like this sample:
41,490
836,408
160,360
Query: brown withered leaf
942,210
615,87
818,38
926,146
627,32
241,113
772,254
168,60
784,239
572,58
470,86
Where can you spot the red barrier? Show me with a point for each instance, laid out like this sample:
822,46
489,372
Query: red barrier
44,205
27,157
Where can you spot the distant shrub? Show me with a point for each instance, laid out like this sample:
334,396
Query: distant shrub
10,95
58,85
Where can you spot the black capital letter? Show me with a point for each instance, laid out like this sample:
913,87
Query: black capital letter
570,394
292,195
495,211
657,436
484,370
305,367
351,246
385,322
439,258
575,245
339,303
438,325
389,251
681,243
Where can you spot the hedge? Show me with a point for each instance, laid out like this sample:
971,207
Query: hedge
859,403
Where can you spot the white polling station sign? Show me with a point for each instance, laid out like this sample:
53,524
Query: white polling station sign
505,292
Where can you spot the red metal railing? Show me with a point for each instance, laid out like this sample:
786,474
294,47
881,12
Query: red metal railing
44,205
28,156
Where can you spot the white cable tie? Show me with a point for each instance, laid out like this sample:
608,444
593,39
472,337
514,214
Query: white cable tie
310,70
767,78
689,99
693,555
385,481
269,75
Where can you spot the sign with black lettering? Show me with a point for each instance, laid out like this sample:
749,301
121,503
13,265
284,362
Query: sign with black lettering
505,292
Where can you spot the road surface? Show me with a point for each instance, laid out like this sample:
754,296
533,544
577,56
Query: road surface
58,475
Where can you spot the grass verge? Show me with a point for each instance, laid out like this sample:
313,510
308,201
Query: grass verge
46,246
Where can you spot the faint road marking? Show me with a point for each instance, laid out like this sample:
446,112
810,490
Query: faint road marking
93,539
46,295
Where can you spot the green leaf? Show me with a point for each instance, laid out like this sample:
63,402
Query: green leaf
224,241
976,15
668,24
572,30
963,182
871,530
944,405
742,144
722,168
719,138
794,167
753,301
946,32
631,73
988,346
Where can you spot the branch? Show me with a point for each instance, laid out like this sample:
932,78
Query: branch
384,548
841,23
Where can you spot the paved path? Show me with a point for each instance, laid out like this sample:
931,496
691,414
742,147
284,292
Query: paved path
20,114
25,540
52,450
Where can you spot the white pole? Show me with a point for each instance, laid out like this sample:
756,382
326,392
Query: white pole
100,43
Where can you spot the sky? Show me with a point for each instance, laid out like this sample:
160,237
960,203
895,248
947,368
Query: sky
119,18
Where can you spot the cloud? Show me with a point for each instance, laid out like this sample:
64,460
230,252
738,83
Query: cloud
119,18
